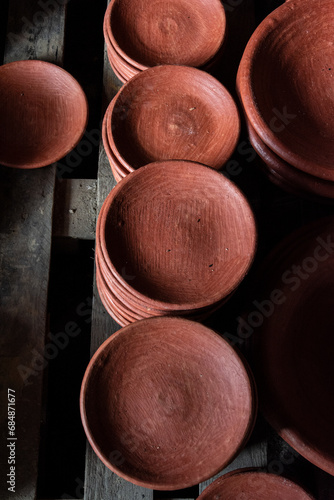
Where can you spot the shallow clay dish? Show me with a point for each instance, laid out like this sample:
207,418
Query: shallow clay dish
285,81
173,112
250,484
184,233
149,32
166,403
43,116
298,180
294,345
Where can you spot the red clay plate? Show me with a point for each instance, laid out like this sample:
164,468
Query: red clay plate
44,113
173,112
166,403
184,232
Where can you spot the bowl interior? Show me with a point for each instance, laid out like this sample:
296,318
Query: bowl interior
286,84
176,32
174,112
161,408
43,113
183,232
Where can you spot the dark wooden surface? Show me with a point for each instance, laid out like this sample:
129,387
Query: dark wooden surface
26,219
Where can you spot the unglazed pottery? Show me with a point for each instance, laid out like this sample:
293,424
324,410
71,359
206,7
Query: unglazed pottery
296,179
187,32
177,235
167,403
285,82
294,345
44,113
248,484
173,112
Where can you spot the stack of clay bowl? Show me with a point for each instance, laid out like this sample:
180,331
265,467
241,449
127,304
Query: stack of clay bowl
170,112
286,85
143,33
173,238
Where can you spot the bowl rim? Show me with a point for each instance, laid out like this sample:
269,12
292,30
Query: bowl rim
74,83
245,92
204,330
159,304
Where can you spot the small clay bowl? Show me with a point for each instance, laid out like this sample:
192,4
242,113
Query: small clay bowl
185,234
44,114
167,403
248,484
293,346
298,179
173,112
288,100
148,33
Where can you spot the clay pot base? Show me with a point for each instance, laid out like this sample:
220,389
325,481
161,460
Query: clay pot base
295,369
164,419
250,484
185,32
287,176
165,275
44,114
187,115
273,76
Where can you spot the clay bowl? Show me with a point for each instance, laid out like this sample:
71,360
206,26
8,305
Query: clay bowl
182,32
293,346
298,180
288,100
248,484
161,393
44,114
173,112
184,233
134,306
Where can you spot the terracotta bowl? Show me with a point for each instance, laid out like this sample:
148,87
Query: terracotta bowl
187,32
298,180
248,484
294,345
183,232
285,82
167,403
44,114
173,112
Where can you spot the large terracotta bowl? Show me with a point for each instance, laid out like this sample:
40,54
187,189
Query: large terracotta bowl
294,345
285,82
248,484
150,32
184,234
173,112
44,114
167,403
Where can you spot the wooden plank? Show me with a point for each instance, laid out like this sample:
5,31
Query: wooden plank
100,482
75,208
26,203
